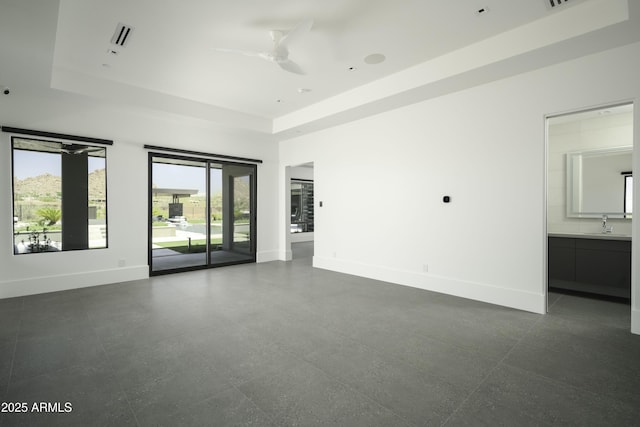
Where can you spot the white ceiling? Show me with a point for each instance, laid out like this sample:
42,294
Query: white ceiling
172,47
170,62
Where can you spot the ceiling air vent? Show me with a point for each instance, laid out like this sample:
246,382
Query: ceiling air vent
554,4
122,34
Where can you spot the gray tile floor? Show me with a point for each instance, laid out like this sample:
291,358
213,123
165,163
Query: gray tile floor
285,344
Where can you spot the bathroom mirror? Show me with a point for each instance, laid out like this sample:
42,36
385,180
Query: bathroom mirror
599,183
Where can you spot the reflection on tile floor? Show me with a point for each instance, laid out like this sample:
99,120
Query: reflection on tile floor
167,259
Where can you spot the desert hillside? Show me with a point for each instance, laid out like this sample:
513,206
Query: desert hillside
48,185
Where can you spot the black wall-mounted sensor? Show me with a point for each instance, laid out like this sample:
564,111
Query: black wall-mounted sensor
446,199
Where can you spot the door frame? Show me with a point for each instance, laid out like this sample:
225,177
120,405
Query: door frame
635,290
208,161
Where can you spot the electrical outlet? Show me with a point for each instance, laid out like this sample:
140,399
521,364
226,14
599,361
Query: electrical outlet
425,268
122,262
334,255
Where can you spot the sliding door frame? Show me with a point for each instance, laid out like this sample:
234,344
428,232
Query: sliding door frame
208,162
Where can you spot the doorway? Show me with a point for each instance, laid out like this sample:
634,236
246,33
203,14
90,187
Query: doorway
201,213
300,210
589,200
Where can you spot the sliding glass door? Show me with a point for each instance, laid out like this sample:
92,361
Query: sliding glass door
231,205
202,213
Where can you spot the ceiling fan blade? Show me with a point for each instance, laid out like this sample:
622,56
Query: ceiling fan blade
299,31
280,51
291,66
241,52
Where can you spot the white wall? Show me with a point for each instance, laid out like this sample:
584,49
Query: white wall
582,135
382,180
127,180
302,172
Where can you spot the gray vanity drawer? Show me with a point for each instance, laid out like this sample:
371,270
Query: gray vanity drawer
603,245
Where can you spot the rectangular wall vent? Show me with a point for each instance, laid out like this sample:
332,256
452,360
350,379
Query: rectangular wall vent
554,3
122,34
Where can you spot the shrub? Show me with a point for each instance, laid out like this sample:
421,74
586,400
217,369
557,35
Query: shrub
49,215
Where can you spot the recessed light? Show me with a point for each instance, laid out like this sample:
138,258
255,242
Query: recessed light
375,58
303,90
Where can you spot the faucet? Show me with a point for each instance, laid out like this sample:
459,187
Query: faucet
606,229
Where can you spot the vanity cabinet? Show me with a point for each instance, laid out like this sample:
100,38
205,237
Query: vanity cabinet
598,266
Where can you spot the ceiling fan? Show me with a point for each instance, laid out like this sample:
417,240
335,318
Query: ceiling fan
279,54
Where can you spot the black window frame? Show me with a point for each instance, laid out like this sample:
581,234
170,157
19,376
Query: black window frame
63,140
628,176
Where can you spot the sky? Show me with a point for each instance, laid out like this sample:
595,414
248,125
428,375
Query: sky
185,177
34,163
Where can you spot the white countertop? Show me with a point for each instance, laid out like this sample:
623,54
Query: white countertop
600,236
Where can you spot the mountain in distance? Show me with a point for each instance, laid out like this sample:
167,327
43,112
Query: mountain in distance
47,185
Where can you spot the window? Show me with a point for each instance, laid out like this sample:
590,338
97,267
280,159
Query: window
628,194
59,196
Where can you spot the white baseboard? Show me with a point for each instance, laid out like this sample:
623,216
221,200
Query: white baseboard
283,256
635,321
267,256
521,300
63,282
